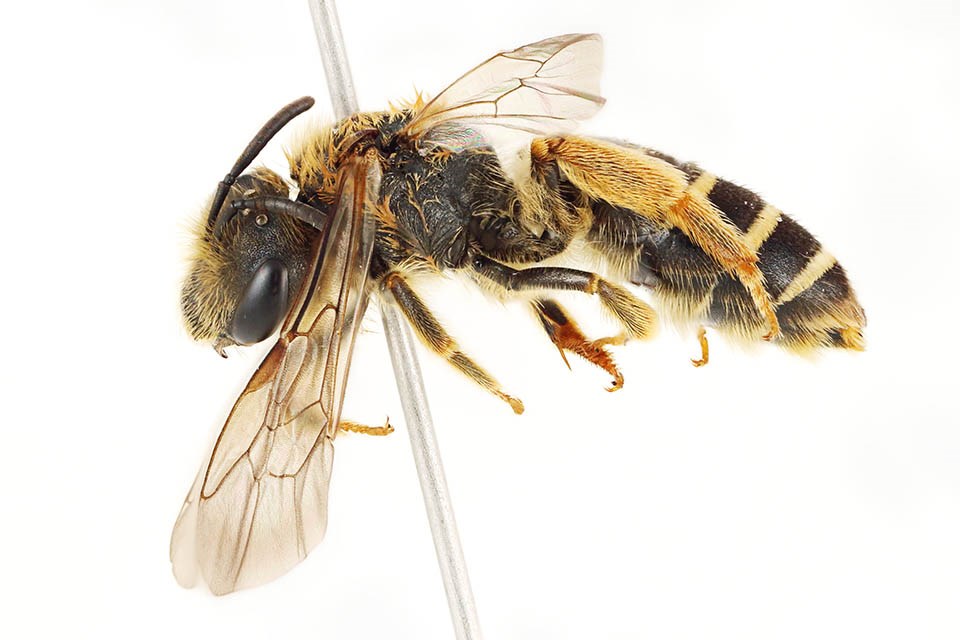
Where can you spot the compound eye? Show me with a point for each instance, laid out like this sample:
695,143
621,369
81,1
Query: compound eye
263,305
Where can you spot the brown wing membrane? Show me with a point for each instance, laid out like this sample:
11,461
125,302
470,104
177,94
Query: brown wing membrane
544,87
260,504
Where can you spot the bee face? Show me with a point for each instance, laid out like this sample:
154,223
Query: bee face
241,281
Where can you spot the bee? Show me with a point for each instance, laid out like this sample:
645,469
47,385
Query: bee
422,189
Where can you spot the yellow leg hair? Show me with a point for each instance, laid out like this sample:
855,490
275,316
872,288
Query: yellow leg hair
436,338
655,189
356,427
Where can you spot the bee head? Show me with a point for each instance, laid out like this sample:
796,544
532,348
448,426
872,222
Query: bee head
244,275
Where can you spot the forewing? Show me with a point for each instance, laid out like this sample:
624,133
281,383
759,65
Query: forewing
259,505
541,88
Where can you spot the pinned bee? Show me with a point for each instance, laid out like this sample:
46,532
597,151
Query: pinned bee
421,189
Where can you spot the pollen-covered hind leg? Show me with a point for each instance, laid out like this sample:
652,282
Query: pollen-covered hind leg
355,427
635,316
434,336
567,336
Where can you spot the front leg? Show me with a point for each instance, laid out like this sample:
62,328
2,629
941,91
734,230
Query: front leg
434,336
356,427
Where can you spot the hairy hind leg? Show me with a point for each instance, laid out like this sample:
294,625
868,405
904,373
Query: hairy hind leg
434,336
637,181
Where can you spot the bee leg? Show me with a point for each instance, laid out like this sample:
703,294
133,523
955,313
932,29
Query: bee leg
434,336
613,341
566,335
704,348
635,316
355,427
698,219
653,188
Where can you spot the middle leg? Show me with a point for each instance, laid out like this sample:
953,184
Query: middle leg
564,332
637,319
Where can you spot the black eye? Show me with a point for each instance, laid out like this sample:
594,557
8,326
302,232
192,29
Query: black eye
263,305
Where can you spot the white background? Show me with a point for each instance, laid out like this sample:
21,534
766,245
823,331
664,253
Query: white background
765,496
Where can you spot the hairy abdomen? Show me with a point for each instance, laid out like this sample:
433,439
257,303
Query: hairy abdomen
814,302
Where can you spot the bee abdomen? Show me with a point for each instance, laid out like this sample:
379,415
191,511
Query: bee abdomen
813,300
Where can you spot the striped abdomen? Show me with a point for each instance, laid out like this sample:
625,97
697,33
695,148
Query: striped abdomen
814,302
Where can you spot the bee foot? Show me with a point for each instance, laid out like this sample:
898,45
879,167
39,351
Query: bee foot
515,403
355,427
596,353
704,348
